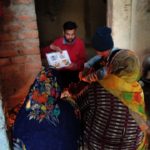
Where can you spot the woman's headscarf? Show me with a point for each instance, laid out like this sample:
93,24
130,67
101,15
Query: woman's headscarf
121,81
42,97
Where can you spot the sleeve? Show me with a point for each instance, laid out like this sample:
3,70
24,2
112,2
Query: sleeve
45,50
97,75
91,61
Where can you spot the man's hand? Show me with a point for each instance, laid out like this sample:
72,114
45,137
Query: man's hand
55,48
93,78
84,73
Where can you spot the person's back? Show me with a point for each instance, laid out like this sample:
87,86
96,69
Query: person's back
46,122
107,122
112,108
34,135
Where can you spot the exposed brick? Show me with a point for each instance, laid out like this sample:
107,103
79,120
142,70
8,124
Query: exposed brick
12,45
12,28
11,53
32,43
31,25
25,59
22,1
19,60
19,68
7,53
4,61
28,35
31,66
7,37
8,15
19,45
25,18
29,51
32,50
11,69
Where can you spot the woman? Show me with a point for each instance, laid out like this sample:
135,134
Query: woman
45,122
112,107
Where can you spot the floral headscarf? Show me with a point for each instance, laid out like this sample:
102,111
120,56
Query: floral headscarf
42,96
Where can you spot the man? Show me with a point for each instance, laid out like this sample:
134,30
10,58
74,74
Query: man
112,107
76,50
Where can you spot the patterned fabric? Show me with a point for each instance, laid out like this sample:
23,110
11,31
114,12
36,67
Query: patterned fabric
107,122
42,97
123,71
46,122
18,145
121,81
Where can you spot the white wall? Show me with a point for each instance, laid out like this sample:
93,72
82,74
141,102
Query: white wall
130,22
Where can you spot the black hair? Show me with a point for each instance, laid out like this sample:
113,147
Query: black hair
69,25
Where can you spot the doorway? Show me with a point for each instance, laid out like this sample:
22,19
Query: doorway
88,14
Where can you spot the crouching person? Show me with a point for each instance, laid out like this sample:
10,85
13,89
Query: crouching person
45,122
112,105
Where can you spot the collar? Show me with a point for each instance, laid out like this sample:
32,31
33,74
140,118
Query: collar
65,42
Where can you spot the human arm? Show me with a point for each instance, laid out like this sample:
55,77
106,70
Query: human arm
49,49
88,66
94,76
92,61
53,47
77,55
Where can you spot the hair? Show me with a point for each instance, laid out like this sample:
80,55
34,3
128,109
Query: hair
69,25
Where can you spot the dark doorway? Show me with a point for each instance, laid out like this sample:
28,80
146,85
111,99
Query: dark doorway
51,14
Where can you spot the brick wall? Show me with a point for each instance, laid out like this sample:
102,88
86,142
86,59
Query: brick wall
19,50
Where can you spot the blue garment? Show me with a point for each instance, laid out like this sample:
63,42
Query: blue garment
96,58
45,122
